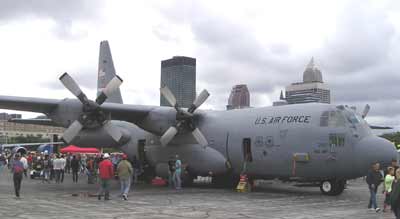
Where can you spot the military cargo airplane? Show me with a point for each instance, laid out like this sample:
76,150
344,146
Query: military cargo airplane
311,142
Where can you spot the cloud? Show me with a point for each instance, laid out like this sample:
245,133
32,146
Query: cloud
266,45
65,14
86,78
363,39
358,55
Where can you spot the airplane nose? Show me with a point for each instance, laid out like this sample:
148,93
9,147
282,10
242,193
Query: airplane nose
373,149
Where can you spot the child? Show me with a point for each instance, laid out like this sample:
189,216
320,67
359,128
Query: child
389,178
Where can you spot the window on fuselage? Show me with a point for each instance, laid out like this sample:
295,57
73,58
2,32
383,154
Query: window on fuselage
337,140
332,119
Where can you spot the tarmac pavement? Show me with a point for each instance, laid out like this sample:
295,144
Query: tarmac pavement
271,200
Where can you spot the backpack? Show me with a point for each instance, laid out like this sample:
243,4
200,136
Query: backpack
18,169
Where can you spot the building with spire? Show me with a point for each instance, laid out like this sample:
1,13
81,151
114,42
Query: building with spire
239,97
312,89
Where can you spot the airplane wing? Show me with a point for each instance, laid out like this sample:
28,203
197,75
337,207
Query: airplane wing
47,122
127,112
124,112
39,105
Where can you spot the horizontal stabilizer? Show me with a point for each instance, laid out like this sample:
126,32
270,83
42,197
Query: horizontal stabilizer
379,127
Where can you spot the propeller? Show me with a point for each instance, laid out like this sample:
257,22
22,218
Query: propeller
364,115
366,110
92,116
184,119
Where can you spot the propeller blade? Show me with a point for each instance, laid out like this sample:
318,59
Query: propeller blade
166,92
73,87
72,131
366,110
199,100
199,137
113,131
168,135
111,87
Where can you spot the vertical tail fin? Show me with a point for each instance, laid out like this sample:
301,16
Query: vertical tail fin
106,72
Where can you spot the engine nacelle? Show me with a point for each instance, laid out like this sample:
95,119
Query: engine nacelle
100,138
20,150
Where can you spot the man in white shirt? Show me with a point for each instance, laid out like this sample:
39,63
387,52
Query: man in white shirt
58,166
63,164
25,163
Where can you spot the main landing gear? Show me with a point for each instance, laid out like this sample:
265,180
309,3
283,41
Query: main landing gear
332,187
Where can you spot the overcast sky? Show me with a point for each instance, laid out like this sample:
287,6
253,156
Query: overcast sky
264,44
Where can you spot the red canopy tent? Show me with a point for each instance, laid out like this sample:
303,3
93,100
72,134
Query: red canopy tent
75,149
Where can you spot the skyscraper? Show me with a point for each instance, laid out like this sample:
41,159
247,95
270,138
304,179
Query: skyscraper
239,97
179,74
312,89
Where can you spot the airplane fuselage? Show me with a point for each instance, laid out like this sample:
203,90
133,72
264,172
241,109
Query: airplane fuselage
309,142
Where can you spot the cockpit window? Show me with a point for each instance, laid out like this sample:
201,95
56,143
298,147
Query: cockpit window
332,119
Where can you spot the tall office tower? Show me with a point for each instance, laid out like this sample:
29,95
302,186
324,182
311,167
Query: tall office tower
312,89
179,74
239,97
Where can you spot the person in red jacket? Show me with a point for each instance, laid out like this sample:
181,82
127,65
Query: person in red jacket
106,171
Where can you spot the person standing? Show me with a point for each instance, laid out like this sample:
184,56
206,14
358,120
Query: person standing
395,195
17,170
171,172
374,179
387,189
30,159
46,169
3,162
68,163
57,165
63,164
125,171
177,173
25,163
90,167
52,157
106,170
75,165
83,160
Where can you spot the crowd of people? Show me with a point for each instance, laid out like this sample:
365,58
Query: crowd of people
98,168
103,168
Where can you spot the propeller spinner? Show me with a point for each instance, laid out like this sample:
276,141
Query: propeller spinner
184,117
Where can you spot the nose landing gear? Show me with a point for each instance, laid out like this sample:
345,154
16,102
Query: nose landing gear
332,187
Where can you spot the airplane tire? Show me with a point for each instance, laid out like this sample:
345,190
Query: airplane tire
332,187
